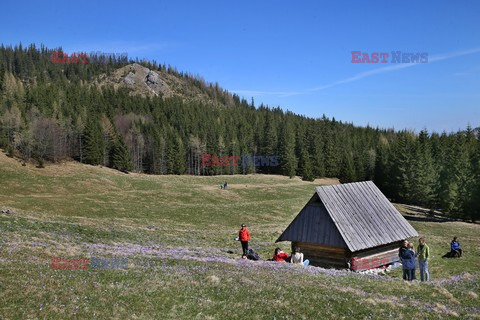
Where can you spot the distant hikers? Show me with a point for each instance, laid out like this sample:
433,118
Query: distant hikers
280,256
455,250
408,261
423,253
297,257
244,237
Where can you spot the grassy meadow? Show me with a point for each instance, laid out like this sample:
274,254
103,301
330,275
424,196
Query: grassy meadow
177,232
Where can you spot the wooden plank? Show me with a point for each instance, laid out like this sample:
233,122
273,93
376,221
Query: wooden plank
324,248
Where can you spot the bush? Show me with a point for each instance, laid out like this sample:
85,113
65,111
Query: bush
10,151
40,163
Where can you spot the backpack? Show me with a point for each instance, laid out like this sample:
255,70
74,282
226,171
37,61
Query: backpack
252,255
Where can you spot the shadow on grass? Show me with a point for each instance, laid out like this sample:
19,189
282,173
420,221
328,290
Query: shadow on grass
427,219
424,215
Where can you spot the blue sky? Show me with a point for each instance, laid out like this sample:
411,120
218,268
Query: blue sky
295,55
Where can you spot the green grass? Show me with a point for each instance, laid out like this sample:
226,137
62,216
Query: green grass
176,232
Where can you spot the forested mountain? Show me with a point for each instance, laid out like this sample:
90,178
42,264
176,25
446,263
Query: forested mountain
145,117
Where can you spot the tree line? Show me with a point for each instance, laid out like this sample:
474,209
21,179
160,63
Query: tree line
55,112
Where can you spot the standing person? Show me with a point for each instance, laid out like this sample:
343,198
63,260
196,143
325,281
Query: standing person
297,257
244,237
279,255
403,255
423,252
412,263
455,246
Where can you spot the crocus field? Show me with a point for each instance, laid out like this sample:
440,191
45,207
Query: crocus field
177,233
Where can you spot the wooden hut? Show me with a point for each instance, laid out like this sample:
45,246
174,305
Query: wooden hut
347,222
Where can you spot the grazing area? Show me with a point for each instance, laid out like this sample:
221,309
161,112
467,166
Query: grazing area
177,234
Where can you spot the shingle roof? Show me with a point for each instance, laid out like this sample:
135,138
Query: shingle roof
360,212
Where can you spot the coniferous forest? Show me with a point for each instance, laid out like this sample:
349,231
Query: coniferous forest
54,112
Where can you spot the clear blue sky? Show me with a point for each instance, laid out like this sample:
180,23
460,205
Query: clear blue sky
293,54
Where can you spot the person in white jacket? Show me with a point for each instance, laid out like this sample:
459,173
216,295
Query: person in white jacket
297,258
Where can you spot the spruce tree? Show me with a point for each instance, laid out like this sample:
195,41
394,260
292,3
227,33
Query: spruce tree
423,175
121,156
332,162
347,171
287,158
93,142
306,167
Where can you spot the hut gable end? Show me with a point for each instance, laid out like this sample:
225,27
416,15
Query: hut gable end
313,225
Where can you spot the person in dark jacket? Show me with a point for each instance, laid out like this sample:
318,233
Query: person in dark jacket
412,264
401,255
407,257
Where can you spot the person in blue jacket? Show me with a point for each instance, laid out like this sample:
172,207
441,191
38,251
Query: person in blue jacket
408,261
455,246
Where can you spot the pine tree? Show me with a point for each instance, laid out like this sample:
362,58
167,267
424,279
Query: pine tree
465,175
179,154
449,188
270,144
473,207
382,166
332,161
306,167
93,142
2,77
401,167
316,150
121,156
288,160
423,175
347,171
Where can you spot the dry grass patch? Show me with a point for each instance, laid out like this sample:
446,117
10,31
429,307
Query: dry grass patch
447,294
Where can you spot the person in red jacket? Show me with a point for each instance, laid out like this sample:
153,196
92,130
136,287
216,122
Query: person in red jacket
244,237
280,255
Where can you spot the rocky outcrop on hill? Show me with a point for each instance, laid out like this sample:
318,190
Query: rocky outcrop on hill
143,81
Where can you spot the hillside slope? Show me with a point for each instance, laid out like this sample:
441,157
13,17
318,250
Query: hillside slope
176,232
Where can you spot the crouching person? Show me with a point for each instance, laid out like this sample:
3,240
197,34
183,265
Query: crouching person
455,247
280,256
